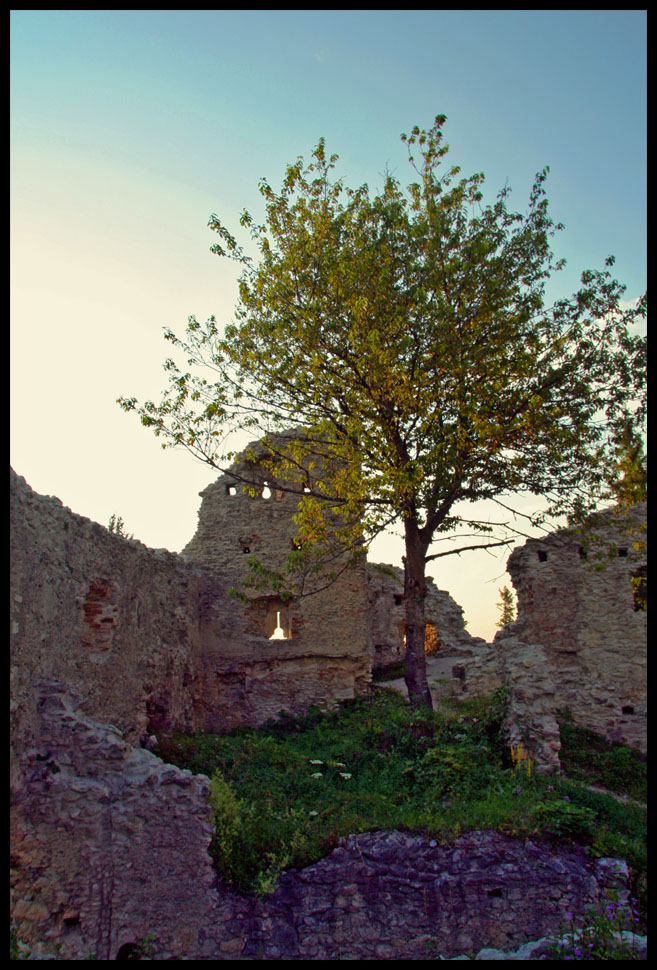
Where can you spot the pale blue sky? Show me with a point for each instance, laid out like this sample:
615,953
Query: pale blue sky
128,128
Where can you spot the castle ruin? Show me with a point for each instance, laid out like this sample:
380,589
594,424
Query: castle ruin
112,642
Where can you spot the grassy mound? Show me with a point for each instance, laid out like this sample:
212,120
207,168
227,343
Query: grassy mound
284,793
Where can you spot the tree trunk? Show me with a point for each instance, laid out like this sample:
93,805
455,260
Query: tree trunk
415,591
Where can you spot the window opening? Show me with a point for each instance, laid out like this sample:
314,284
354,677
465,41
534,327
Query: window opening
130,951
231,490
275,619
542,555
582,552
622,553
279,632
266,491
627,709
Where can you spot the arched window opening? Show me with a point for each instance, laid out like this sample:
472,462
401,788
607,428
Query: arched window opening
130,951
266,491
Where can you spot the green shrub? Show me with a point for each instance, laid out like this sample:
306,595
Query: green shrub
561,820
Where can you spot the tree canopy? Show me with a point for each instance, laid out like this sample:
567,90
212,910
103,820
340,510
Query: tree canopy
409,333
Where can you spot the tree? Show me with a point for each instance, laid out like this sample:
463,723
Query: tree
409,332
506,607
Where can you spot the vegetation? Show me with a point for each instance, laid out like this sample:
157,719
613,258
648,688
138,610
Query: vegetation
506,606
411,334
602,935
284,793
116,526
588,757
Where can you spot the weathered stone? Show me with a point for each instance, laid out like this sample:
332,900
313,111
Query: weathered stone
445,624
112,642
576,599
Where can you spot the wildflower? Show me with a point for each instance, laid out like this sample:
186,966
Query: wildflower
566,798
314,761
518,790
316,774
345,774
313,814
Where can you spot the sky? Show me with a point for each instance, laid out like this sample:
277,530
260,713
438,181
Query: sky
129,128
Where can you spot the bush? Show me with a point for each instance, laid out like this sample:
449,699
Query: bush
562,821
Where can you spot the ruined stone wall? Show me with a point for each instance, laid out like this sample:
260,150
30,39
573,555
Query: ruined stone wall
119,623
110,847
329,630
150,639
576,599
111,640
444,617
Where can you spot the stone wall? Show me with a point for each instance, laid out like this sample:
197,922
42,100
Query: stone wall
444,617
327,623
110,847
152,640
111,641
576,600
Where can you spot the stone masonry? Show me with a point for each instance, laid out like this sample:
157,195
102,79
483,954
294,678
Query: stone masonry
112,642
444,617
578,601
110,846
324,638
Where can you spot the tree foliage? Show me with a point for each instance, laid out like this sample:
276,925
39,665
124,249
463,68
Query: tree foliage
408,332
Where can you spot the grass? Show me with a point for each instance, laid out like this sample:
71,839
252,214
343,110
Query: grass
284,793
590,758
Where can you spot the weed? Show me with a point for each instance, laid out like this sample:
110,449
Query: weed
602,935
